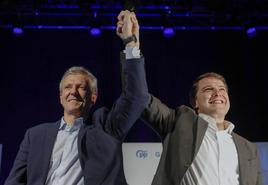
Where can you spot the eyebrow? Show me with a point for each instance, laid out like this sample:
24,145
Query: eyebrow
208,86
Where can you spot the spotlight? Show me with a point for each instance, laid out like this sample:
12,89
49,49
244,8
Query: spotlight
95,32
251,32
168,32
17,30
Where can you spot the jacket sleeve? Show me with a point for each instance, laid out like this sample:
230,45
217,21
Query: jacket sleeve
132,101
159,116
18,173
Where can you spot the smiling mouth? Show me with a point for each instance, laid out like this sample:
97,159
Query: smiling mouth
73,100
216,102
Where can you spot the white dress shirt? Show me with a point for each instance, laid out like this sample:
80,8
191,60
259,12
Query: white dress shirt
216,162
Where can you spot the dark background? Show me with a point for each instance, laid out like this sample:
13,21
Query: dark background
32,65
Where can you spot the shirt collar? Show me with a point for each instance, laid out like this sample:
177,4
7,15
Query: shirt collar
76,125
212,123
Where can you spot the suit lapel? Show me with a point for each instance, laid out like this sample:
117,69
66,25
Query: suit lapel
242,158
82,148
201,128
50,138
81,133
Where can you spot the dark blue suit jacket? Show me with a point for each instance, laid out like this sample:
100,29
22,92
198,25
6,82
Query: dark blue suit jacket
99,142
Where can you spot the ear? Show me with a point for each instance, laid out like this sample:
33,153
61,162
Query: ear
60,98
196,104
93,98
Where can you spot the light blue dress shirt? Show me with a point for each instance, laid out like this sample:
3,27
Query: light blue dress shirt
64,167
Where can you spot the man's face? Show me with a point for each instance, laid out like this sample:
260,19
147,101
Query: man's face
212,97
75,96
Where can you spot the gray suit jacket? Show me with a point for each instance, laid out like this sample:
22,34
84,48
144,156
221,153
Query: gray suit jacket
182,132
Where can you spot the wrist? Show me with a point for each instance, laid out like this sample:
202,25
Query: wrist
132,44
130,40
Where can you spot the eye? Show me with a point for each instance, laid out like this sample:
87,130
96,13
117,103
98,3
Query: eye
84,88
222,89
208,89
68,86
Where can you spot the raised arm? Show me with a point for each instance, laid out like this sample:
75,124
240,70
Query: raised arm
159,116
134,97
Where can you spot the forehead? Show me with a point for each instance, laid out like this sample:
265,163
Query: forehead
76,78
210,81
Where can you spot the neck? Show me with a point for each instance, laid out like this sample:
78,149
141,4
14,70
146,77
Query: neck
70,118
221,123
221,126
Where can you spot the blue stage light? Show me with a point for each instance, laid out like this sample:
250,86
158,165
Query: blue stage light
252,32
95,32
17,31
168,32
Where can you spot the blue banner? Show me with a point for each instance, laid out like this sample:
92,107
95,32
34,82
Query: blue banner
263,151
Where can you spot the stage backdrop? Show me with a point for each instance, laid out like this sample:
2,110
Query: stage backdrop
32,65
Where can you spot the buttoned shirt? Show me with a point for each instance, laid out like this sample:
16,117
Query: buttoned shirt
65,168
216,162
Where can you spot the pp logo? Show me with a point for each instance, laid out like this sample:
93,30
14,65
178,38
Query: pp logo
157,154
141,154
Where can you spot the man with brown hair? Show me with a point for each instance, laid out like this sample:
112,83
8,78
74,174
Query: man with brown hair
199,146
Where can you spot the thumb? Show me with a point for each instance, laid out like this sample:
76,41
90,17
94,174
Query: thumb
136,27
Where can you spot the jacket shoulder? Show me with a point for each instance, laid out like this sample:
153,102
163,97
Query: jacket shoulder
185,110
40,128
241,138
250,145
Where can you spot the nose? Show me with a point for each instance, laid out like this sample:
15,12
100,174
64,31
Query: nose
73,90
217,92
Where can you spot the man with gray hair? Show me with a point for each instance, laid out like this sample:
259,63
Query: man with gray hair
83,149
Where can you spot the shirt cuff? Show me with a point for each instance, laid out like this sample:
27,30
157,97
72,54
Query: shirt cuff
132,52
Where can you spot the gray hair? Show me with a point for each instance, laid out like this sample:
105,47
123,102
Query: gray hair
92,80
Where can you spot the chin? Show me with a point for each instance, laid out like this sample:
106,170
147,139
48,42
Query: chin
220,113
76,109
